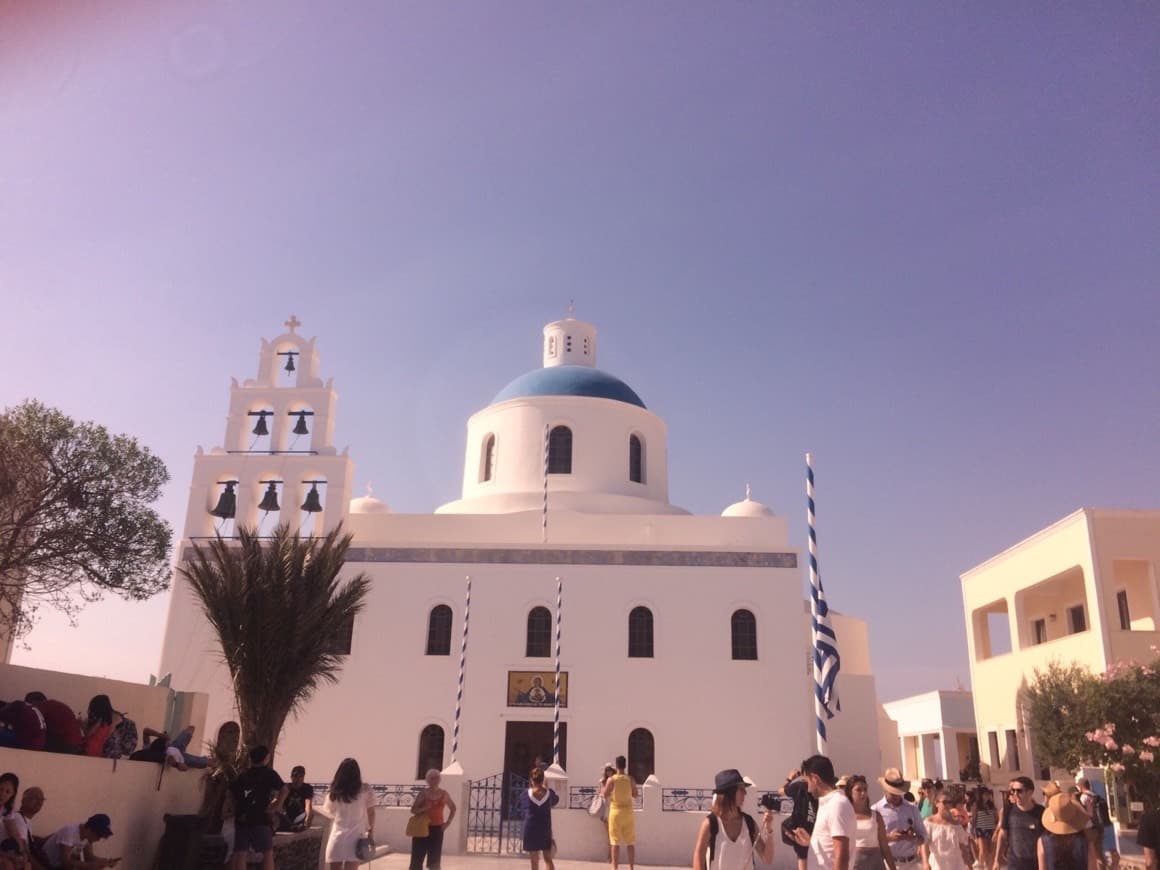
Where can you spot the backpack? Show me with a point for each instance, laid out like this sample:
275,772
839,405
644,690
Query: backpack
1100,814
713,828
122,740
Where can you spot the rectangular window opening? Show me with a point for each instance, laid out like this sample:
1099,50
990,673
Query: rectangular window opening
1122,606
1076,619
1012,747
1039,631
993,748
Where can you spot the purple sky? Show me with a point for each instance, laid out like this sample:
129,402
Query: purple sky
918,239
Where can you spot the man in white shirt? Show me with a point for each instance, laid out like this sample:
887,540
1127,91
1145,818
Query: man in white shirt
18,823
834,826
72,846
905,832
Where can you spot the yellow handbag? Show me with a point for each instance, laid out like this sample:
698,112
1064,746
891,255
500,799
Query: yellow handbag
419,825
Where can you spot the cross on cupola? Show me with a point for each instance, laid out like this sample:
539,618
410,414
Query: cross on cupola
293,323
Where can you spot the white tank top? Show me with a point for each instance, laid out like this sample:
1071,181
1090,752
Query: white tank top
733,854
866,833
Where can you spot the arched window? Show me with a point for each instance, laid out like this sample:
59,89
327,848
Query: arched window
439,631
560,450
635,459
642,762
640,633
539,633
744,635
487,467
430,751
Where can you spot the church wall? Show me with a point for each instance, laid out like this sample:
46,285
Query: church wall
692,696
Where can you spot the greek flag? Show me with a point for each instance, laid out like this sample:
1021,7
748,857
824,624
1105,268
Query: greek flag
827,662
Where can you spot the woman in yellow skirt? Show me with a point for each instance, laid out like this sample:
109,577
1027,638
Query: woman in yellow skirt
619,792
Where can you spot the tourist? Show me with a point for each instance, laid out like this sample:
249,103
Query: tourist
1148,837
536,804
1100,832
72,845
871,851
9,787
437,804
926,798
805,810
1016,844
947,846
22,726
298,808
175,752
258,794
98,725
905,833
351,805
729,836
619,793
984,821
835,825
18,824
1065,844
62,727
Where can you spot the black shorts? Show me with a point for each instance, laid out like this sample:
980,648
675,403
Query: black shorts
256,838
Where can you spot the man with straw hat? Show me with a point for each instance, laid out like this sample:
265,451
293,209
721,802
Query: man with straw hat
904,828
1064,842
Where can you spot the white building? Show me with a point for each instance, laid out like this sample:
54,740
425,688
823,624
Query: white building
936,734
1082,590
684,638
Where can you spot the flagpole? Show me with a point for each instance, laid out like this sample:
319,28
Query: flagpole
544,519
825,647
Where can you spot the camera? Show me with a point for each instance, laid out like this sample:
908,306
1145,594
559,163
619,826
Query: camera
771,802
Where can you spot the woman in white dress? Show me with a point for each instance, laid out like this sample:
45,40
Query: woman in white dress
947,846
350,805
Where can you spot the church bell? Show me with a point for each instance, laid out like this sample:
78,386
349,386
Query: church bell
227,505
269,501
313,503
290,362
260,428
300,426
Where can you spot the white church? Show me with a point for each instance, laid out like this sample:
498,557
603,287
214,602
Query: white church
685,639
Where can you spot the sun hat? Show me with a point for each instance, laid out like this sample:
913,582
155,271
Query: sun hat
727,779
893,783
1064,815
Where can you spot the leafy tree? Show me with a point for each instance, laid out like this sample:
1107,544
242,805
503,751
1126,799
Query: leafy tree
1062,703
75,515
280,613
1110,721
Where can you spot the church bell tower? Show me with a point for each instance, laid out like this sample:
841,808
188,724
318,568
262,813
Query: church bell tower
278,463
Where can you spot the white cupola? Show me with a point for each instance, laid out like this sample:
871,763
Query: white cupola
747,507
569,342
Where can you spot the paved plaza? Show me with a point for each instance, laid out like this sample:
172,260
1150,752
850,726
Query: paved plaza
400,861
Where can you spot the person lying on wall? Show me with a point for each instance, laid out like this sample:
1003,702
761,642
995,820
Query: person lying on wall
175,753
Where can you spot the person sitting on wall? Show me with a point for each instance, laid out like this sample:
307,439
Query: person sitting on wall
298,808
61,723
18,825
98,725
22,726
71,847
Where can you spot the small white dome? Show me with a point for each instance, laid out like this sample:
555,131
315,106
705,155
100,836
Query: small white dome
368,504
747,508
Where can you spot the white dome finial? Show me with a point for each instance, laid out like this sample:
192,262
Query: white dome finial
370,489
571,309
747,493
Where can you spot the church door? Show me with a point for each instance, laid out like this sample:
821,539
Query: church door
527,741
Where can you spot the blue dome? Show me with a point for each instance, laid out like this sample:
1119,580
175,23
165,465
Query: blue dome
569,381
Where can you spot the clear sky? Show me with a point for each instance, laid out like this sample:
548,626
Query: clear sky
918,239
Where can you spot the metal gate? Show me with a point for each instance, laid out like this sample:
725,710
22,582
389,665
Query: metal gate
494,815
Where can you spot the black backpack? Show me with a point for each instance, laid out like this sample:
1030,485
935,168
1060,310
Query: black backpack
713,828
1100,813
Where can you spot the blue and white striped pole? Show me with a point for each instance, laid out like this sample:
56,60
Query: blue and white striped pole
556,712
544,520
826,659
462,667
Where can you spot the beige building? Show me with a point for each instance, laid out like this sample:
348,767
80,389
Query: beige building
936,734
1082,590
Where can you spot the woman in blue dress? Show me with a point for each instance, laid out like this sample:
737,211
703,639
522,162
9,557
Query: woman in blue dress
537,803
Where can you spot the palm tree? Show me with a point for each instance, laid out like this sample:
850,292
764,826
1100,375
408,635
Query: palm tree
278,608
